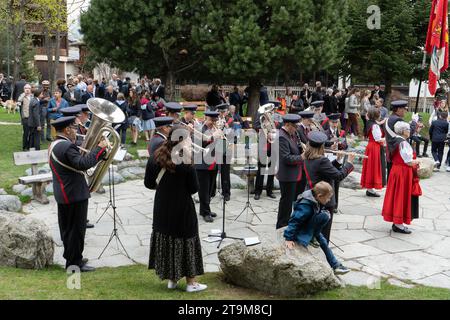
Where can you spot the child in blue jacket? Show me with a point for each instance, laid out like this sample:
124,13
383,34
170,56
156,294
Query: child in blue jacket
307,222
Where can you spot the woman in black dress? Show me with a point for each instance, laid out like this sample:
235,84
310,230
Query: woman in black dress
175,249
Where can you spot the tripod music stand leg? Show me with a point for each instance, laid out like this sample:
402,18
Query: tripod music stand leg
123,247
109,241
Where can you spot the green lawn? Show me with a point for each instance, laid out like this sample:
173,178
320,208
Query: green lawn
137,282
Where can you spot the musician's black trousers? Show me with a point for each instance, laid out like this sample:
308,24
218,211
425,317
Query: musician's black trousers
225,179
289,193
259,182
72,220
206,180
35,138
25,135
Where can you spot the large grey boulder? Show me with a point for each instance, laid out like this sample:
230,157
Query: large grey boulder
27,192
426,168
132,172
117,178
352,181
273,269
10,203
25,242
18,188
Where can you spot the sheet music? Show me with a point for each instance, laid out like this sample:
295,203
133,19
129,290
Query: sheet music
120,155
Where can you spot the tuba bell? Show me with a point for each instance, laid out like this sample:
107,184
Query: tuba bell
104,114
266,120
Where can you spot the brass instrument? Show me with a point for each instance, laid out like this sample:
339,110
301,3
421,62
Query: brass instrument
346,153
266,120
316,126
104,114
195,131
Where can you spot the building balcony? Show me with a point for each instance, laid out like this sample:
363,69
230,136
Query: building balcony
42,51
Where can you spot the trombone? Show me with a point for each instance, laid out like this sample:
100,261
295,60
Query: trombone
346,153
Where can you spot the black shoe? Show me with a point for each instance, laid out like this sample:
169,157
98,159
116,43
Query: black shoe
372,194
340,269
227,198
335,210
89,225
49,139
84,261
257,196
397,229
208,218
425,155
213,214
419,156
271,195
86,268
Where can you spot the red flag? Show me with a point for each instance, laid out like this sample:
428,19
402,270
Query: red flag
437,42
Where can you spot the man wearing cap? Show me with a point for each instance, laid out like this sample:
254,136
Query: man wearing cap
163,125
189,114
319,117
207,172
318,167
399,109
173,110
290,168
71,189
74,111
336,137
305,126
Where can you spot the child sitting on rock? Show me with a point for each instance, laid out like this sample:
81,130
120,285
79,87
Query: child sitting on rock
307,222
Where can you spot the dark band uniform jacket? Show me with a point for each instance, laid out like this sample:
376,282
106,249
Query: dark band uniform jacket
207,144
70,186
290,164
336,134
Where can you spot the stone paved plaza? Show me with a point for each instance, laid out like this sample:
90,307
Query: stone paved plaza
368,245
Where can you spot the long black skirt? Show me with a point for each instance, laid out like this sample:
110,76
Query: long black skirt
383,166
175,258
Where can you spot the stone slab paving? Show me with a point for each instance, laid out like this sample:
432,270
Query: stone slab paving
366,243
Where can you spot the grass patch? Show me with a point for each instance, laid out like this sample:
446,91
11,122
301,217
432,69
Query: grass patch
137,282
5,117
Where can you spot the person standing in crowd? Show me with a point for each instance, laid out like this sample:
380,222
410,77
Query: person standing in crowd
351,109
207,169
19,87
401,202
141,87
122,129
213,98
364,107
297,105
384,112
34,120
115,83
77,91
158,88
438,135
5,89
44,99
377,91
70,188
263,95
189,115
61,84
175,248
399,109
318,168
69,96
134,108
306,95
24,103
110,94
224,153
416,126
327,108
308,220
163,126
341,107
88,94
290,168
54,106
440,105
148,116
318,94
158,105
236,100
372,172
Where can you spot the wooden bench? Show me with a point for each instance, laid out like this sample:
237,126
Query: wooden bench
38,181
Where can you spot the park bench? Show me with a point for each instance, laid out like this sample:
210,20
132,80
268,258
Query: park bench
38,181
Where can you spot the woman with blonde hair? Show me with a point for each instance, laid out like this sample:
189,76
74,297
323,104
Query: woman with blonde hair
365,105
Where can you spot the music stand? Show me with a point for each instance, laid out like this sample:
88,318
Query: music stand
112,202
223,235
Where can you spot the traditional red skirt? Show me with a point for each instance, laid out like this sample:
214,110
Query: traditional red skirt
397,201
371,177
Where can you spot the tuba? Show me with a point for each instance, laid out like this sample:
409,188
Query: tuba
104,114
266,120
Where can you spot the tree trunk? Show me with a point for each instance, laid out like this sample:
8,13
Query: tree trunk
253,99
54,75
170,85
301,79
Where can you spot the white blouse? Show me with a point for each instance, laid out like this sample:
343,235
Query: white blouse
406,152
376,132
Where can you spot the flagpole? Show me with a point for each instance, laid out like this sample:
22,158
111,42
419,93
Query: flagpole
424,60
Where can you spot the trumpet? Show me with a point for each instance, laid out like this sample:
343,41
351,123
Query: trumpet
346,153
204,136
